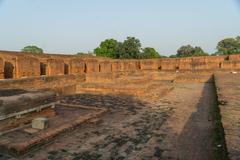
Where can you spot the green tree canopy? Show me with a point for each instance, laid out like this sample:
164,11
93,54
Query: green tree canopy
173,56
108,48
149,53
80,54
130,48
32,49
189,51
229,46
89,54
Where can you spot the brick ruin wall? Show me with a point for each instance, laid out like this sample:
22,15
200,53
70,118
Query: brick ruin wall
1,69
14,65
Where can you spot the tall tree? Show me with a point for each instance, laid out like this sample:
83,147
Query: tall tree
32,49
229,46
85,54
108,48
238,38
188,51
130,48
149,53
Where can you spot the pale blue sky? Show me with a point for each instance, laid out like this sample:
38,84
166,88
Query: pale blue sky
70,26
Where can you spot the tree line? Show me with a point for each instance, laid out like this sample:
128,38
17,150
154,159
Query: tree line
131,48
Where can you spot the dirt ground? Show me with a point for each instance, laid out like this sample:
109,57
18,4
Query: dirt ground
177,126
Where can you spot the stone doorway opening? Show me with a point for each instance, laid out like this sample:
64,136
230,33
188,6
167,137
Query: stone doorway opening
66,69
43,68
8,70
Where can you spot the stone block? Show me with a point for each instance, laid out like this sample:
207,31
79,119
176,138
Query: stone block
40,123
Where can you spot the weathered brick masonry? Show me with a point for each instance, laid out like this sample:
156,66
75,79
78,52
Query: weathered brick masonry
1,69
19,65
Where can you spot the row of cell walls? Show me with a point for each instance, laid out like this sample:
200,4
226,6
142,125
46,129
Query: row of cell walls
24,66
151,64
18,66
165,64
102,66
78,66
232,63
207,63
191,63
12,67
53,67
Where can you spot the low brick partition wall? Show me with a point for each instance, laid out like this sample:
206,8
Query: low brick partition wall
19,102
65,84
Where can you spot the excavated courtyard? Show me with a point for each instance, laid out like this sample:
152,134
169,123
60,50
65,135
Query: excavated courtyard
169,117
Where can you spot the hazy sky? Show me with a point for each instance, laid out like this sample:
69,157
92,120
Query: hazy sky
70,26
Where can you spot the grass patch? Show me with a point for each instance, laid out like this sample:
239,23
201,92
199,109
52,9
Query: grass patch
219,145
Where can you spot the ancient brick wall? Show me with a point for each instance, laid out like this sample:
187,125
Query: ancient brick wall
116,66
77,66
64,84
105,67
92,66
235,57
230,65
55,67
184,64
149,64
207,63
1,69
27,67
204,65
18,65
9,65
130,65
169,64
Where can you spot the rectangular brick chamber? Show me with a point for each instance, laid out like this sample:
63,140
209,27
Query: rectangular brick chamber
23,139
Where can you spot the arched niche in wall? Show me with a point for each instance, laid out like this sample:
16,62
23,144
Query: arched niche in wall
100,68
43,69
8,70
85,68
66,68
